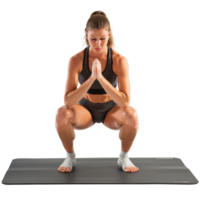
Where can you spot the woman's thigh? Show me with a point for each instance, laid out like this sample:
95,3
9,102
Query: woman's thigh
78,116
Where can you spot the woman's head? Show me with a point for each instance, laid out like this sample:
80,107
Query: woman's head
98,39
98,31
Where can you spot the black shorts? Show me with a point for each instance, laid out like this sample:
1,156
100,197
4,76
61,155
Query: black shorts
97,110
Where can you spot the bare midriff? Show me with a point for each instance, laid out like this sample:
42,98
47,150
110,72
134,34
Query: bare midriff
94,98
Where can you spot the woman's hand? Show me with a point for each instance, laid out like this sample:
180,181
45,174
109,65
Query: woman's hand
96,69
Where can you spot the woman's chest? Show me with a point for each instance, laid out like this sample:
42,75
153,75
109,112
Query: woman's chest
101,98
103,61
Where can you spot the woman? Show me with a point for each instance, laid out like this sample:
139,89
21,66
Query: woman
98,68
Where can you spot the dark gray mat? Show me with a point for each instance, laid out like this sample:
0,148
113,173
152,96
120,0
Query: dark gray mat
98,171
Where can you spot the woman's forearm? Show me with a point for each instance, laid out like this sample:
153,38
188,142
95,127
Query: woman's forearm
117,96
76,95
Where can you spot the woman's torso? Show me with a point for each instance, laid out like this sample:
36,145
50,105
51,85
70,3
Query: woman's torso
101,98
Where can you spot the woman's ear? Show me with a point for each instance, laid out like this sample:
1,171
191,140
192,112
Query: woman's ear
86,35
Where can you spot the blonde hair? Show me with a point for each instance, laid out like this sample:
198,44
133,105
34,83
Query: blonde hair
99,20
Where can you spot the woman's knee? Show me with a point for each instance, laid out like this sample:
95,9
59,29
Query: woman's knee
63,114
131,115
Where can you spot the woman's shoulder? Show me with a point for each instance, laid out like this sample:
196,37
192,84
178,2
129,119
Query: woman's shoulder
117,55
78,55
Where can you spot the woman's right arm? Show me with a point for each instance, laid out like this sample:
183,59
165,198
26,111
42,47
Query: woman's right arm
72,94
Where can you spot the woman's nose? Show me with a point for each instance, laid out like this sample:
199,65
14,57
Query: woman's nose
98,43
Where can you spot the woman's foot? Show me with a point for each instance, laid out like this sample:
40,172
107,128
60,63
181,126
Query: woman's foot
127,165
64,169
131,169
67,165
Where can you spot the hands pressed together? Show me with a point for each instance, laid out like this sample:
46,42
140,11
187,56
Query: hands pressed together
96,69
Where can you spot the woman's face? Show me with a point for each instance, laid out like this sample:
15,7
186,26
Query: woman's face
98,39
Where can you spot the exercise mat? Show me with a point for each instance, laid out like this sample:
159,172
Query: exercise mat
162,170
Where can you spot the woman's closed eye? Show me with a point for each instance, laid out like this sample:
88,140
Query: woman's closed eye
101,39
